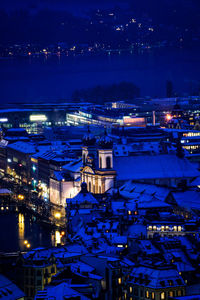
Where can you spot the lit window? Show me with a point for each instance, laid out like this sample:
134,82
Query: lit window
171,294
129,212
119,280
131,289
162,296
154,227
179,293
175,228
152,295
150,227
147,294
179,228
162,228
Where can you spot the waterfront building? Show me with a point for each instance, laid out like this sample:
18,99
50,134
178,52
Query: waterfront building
34,272
35,117
66,183
19,162
101,116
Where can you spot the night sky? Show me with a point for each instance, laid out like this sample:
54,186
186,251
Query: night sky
76,6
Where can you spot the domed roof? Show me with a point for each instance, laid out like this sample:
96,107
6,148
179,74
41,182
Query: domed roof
89,139
105,142
83,196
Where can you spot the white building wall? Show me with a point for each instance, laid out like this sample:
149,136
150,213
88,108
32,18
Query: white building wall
103,154
60,190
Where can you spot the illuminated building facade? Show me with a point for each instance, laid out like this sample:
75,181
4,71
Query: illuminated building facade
19,162
97,170
104,117
65,184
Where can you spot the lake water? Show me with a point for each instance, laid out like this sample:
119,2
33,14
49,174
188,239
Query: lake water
15,228
52,79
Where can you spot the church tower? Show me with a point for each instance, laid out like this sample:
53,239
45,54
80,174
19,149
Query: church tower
97,170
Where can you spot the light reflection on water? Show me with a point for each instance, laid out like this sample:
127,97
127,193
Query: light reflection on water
21,230
16,228
57,238
56,78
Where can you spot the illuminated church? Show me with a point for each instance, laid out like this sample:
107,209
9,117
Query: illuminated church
97,170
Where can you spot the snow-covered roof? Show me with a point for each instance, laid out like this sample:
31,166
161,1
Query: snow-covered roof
73,166
8,290
23,147
5,192
131,188
157,278
81,267
59,292
153,166
188,199
3,143
148,247
82,198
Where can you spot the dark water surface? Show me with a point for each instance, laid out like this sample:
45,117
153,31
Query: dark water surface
15,228
51,79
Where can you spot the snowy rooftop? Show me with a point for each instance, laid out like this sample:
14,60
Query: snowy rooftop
73,166
26,148
59,292
83,196
132,188
157,278
188,199
153,166
8,290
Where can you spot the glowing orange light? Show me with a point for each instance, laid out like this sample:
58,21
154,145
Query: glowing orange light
21,197
57,215
168,117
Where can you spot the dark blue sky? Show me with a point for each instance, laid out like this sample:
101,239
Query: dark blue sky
73,5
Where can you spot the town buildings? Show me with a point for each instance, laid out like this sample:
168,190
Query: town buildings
131,200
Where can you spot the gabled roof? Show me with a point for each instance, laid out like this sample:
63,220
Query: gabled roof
157,277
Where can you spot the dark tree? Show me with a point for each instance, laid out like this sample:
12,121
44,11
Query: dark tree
114,92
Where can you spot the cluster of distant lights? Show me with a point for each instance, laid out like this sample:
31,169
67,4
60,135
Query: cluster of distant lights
32,118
